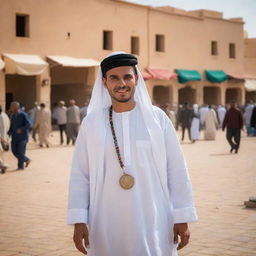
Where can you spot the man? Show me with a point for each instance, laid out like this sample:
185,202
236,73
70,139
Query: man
4,127
210,124
73,121
83,111
234,122
247,117
32,114
129,181
43,124
62,120
185,119
221,111
202,112
19,130
195,124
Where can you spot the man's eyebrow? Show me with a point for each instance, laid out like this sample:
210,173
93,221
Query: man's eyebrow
113,76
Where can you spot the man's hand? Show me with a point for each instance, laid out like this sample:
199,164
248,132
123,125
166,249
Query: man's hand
81,237
181,229
19,131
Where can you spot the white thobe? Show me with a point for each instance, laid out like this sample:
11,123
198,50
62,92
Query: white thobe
221,114
138,221
210,125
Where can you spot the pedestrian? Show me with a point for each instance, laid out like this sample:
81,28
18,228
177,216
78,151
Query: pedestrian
129,181
234,122
19,130
61,114
202,112
83,111
32,114
4,144
73,121
253,121
247,117
43,124
210,124
195,125
185,119
170,113
221,112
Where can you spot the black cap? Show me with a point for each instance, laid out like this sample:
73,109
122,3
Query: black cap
122,59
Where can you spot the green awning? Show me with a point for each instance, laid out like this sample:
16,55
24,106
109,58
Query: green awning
188,75
216,76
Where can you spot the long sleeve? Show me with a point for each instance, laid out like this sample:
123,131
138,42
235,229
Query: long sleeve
79,186
179,183
26,124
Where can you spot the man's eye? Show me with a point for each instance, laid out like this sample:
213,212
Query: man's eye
114,78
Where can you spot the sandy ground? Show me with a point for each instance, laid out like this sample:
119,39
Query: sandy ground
33,202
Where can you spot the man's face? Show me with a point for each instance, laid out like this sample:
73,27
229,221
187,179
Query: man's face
120,83
14,108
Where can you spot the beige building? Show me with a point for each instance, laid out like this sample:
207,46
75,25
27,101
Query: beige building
51,50
250,68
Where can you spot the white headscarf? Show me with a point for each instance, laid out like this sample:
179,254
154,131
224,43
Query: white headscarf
98,109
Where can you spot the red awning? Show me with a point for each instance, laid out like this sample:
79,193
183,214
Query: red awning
161,73
146,75
236,76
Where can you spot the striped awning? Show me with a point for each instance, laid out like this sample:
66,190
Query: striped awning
67,61
21,64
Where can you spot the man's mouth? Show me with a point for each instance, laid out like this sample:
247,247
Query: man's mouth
122,89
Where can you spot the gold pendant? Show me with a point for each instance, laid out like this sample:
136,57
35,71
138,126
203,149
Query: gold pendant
126,181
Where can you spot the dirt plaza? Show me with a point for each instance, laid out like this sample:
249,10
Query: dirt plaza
33,202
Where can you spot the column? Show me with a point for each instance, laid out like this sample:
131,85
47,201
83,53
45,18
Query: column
43,88
199,94
2,90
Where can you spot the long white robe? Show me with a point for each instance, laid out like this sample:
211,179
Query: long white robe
221,114
137,221
211,123
43,123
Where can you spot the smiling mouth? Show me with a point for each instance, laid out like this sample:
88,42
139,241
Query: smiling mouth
122,89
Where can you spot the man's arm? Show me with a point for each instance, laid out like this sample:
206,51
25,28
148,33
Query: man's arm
179,185
79,192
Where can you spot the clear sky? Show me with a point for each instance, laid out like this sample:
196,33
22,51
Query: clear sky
231,9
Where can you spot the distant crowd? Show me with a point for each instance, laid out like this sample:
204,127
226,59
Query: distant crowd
40,121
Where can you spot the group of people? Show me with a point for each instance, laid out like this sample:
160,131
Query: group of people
39,120
210,119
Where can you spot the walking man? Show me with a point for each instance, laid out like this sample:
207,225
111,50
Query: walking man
43,124
73,121
130,191
19,131
234,122
185,120
62,120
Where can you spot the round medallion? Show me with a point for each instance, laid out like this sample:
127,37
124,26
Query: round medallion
126,181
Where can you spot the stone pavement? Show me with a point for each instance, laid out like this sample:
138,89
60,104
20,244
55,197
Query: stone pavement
33,202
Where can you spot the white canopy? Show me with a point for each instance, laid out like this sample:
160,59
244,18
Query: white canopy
250,85
22,64
2,64
66,61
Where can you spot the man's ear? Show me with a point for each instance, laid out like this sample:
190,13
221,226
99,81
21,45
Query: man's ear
104,80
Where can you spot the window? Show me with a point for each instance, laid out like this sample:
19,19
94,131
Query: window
214,48
160,43
22,25
135,45
232,51
107,40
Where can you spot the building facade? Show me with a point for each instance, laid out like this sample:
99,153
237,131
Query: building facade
51,50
